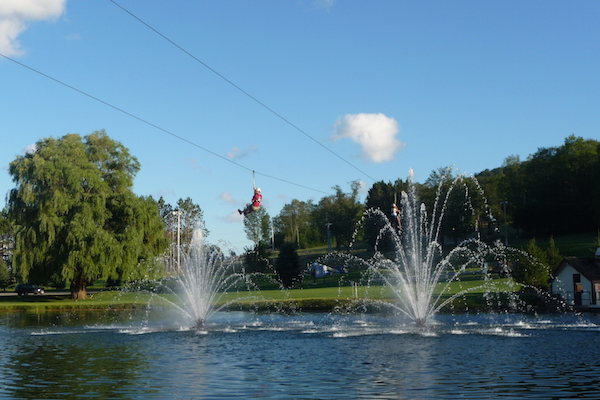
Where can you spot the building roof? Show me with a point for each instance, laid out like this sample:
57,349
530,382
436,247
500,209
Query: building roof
588,267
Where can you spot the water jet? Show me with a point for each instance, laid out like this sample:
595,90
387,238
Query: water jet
205,283
420,271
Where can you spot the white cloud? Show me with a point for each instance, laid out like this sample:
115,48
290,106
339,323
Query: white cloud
364,188
236,153
32,148
73,36
227,198
193,164
14,15
233,217
9,30
375,133
324,4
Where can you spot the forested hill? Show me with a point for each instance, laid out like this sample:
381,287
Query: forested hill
555,191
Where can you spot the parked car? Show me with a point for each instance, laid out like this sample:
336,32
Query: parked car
27,288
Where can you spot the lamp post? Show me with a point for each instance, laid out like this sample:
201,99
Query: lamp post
178,213
504,203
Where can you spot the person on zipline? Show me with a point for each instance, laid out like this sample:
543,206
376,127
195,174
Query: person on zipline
396,224
255,203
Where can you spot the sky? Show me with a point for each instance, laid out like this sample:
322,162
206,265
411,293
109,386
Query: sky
308,94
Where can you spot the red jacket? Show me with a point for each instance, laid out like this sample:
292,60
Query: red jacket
256,199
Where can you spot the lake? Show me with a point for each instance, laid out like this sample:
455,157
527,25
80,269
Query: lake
303,356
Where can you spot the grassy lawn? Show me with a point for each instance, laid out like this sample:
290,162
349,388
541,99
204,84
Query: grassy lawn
321,295
54,302
383,292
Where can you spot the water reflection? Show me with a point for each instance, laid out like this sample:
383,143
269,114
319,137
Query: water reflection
69,366
303,356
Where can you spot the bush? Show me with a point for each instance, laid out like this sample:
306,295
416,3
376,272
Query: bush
287,266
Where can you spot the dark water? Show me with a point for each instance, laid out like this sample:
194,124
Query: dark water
308,356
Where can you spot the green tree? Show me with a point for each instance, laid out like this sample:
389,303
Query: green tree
533,270
6,237
342,210
457,199
492,213
380,197
511,189
257,226
5,275
287,265
148,235
295,223
181,220
560,191
191,216
166,211
75,216
257,260
553,256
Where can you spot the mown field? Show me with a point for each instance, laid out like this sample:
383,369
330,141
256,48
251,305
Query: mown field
325,294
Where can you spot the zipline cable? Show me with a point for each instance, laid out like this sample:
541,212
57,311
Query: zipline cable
241,90
156,126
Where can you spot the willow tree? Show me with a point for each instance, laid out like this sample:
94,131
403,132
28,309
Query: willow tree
75,216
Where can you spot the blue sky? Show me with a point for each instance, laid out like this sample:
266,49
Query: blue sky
348,90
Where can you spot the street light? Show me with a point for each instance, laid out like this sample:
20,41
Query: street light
504,203
178,213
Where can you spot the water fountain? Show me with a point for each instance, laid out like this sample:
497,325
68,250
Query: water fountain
420,273
205,280
419,264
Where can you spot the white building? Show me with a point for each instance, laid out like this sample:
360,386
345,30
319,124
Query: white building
577,281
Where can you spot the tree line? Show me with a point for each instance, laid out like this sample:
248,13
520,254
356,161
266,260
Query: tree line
555,191
72,216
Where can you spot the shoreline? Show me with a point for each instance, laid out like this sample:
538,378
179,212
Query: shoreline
279,305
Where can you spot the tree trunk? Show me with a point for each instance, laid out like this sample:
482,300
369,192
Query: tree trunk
78,289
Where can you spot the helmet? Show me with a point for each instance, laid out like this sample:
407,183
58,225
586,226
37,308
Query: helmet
257,190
